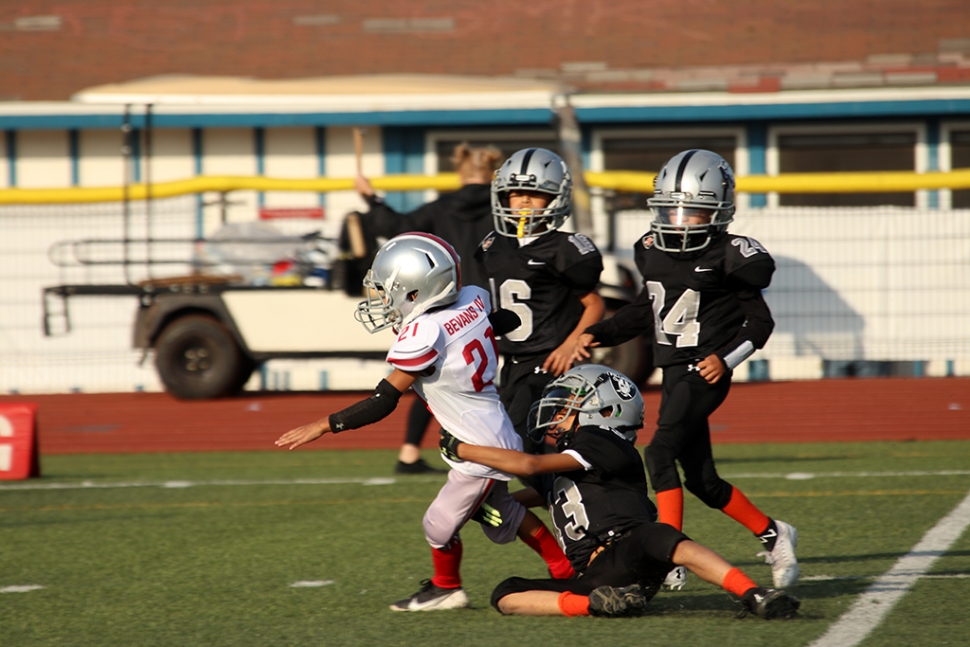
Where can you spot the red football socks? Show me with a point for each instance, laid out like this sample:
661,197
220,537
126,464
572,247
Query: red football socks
447,562
544,543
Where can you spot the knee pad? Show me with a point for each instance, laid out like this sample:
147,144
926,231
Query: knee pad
662,467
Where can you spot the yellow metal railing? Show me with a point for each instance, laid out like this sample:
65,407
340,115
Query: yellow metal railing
624,181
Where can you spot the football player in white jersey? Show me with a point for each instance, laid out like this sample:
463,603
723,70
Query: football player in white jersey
446,350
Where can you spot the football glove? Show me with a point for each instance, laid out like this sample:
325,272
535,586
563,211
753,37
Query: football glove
487,515
448,445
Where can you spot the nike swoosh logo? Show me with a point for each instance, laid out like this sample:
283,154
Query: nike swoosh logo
532,262
703,269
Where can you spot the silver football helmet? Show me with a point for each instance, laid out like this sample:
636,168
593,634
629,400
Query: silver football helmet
693,201
411,274
598,394
531,169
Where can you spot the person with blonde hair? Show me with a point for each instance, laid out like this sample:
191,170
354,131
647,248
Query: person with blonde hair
463,218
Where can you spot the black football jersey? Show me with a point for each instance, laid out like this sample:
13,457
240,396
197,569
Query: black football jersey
588,506
696,298
695,305
542,283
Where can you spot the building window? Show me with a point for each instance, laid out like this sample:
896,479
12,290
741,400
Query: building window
830,153
649,155
959,159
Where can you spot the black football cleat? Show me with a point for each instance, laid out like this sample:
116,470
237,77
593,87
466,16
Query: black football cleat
617,601
770,603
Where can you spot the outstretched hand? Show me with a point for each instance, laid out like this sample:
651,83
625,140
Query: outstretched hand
304,434
582,346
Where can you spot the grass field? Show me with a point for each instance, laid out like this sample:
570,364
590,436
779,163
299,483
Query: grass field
203,549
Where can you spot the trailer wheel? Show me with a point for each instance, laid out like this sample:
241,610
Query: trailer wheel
197,358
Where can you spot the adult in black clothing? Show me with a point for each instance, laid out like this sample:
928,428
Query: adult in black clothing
462,218
596,493
702,300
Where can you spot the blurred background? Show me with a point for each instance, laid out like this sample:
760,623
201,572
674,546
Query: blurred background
167,160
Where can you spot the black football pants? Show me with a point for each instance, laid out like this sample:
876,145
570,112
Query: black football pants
683,435
520,386
642,556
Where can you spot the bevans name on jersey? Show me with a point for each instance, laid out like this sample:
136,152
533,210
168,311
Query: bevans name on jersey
465,317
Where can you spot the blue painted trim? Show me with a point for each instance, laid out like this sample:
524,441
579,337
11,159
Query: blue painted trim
11,139
521,116
403,153
586,145
933,158
74,151
259,149
758,159
851,109
197,156
320,136
394,118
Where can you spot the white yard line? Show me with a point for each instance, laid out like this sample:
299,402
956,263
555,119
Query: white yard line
94,485
876,602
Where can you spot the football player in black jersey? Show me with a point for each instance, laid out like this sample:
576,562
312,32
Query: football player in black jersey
596,493
702,298
546,276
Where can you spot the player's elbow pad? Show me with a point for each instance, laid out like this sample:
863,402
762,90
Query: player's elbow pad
738,354
376,407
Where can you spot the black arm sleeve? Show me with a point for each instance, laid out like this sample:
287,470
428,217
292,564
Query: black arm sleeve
504,321
376,407
754,334
626,323
583,277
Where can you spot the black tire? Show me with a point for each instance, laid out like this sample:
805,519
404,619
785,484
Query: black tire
197,359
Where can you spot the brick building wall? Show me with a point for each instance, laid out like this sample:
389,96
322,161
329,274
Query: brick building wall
52,49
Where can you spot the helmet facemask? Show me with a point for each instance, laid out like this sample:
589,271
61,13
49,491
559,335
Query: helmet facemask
598,396
411,274
692,186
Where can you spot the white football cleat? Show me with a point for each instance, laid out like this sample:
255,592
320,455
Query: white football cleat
784,566
676,579
432,598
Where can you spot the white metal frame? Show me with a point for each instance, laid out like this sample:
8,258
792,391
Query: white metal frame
945,153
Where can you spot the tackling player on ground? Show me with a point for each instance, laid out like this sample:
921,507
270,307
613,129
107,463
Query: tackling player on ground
702,298
546,276
445,350
596,493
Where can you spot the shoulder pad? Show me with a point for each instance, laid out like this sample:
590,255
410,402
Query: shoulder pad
583,244
418,346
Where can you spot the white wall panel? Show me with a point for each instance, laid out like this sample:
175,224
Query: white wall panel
43,159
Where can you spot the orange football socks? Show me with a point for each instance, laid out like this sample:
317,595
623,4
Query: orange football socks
572,604
745,512
671,506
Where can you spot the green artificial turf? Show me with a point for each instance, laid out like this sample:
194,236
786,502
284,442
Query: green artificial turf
202,549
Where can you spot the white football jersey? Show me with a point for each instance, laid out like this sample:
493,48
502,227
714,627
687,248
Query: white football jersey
454,349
